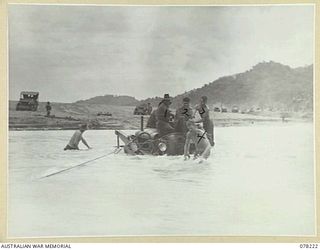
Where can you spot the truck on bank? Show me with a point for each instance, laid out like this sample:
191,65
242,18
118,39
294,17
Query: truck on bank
28,101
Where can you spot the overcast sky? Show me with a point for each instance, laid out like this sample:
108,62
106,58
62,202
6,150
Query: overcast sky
69,53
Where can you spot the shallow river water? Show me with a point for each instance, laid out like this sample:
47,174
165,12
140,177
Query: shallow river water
259,180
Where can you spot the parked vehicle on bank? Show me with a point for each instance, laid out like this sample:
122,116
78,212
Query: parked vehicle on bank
104,114
224,110
235,109
143,109
28,101
217,109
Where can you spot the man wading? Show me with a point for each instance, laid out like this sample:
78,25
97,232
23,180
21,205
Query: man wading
76,138
200,139
203,110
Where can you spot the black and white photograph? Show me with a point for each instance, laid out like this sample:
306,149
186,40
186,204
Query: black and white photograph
161,120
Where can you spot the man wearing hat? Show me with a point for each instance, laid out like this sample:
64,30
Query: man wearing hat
183,114
163,115
76,138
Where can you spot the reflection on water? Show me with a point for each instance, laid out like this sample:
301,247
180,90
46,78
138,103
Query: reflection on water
249,186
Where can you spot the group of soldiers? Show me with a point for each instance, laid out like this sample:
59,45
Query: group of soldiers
184,122
166,122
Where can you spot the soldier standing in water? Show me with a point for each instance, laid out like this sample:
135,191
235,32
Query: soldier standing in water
163,115
203,110
183,114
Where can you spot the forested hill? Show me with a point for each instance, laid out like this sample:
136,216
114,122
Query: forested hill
267,84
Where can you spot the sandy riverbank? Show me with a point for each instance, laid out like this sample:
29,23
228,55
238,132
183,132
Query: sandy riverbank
69,116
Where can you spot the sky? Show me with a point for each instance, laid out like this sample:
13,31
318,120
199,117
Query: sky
69,53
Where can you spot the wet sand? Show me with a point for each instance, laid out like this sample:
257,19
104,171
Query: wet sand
66,116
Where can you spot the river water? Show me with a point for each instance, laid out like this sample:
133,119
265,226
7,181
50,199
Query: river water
258,181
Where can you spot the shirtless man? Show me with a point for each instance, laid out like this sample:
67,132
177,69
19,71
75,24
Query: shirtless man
76,138
200,139
203,110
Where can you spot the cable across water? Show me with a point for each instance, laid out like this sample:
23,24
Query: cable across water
81,164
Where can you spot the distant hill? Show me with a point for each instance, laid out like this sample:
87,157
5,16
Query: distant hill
266,85
111,100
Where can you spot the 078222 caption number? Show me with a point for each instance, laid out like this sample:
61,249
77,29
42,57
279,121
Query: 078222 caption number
309,246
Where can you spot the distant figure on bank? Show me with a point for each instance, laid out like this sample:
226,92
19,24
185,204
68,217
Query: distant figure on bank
48,108
203,110
183,114
76,138
163,116
200,139
149,108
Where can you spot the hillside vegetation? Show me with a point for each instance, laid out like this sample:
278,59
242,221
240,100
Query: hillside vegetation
267,85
